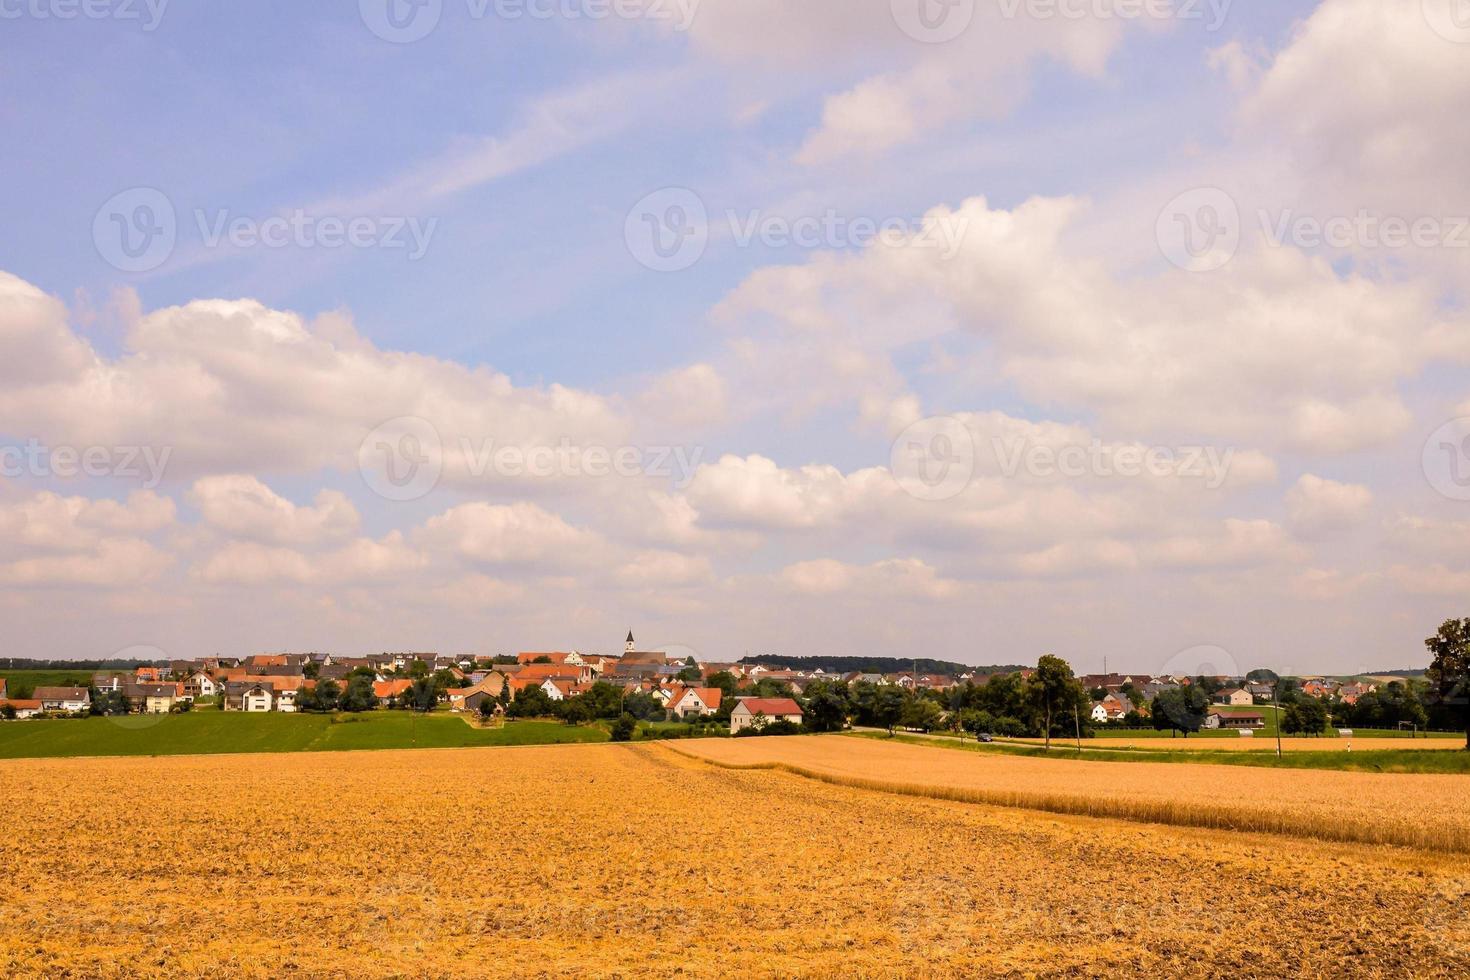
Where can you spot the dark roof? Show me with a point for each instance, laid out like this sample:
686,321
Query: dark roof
60,694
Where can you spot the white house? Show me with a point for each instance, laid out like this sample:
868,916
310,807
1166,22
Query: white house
1099,712
758,712
695,701
63,698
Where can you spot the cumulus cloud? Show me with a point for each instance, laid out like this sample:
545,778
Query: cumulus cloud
242,506
51,540
1281,351
1317,505
904,578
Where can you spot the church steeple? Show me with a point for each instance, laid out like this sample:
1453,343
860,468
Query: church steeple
628,647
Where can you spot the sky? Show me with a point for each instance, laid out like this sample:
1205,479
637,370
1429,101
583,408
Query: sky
1125,330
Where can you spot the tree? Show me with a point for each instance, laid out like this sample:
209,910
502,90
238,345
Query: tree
531,701
689,675
888,704
422,695
487,708
576,712
1180,709
921,713
826,707
1307,716
622,729
359,694
1054,692
1449,673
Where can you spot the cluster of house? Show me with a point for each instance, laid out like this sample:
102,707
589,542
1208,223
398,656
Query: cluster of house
1234,692
274,682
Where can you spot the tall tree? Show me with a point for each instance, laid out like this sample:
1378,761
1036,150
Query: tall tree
1054,692
1450,670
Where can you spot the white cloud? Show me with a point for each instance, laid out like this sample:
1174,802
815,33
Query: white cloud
242,506
891,579
511,534
1316,505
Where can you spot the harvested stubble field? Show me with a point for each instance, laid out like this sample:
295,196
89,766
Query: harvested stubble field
1425,811
637,860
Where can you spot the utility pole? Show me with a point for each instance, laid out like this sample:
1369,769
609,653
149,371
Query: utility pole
1077,723
1277,706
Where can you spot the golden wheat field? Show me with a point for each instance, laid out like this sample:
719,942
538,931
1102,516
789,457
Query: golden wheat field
1262,743
640,861
1410,809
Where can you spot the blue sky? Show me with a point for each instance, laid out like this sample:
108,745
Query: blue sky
522,144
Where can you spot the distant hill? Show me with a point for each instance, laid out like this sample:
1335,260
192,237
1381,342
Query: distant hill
874,665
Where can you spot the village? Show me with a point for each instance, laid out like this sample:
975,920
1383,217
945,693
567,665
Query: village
651,686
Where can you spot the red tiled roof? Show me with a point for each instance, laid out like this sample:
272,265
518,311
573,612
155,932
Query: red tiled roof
770,707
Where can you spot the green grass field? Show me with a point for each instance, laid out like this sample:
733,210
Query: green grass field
1377,760
215,732
28,680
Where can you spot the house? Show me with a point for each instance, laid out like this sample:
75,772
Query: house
1319,689
200,685
1235,719
66,699
695,701
1239,697
536,673
104,681
1259,689
1099,712
23,707
1115,707
157,698
249,695
758,712
561,688
574,658
386,691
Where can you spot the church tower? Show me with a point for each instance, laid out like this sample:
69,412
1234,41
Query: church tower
628,646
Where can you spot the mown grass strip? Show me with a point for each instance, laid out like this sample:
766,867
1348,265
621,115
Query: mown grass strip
1423,834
